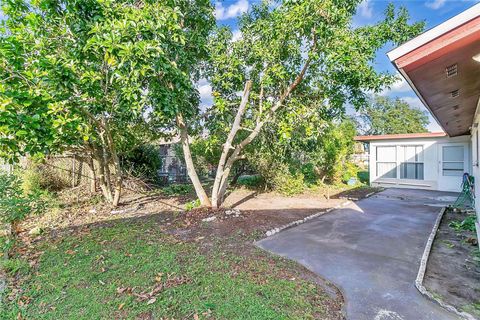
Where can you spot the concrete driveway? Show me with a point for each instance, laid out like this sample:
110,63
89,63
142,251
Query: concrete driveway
371,250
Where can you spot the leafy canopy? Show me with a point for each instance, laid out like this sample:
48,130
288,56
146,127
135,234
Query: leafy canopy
385,115
67,65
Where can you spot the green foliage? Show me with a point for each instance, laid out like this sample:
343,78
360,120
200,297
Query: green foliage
75,71
350,170
14,204
466,224
251,181
218,283
289,184
310,173
363,177
385,115
335,148
177,189
192,205
142,162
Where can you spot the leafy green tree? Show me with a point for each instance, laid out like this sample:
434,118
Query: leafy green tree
97,77
291,54
384,115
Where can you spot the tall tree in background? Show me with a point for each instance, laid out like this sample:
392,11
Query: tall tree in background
97,77
293,56
384,115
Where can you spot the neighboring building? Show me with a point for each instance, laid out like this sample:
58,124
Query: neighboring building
424,160
442,66
173,168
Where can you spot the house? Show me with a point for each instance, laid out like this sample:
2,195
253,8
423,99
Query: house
442,65
423,160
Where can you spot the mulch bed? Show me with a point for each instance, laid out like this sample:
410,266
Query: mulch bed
453,269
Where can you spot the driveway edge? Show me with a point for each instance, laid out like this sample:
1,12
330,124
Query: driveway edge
423,266
307,218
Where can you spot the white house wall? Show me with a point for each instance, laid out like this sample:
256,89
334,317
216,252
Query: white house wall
430,161
476,165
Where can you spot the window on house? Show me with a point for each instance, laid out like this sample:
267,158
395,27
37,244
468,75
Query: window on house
386,162
453,160
411,162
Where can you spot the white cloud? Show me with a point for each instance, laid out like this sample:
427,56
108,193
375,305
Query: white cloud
237,35
415,102
435,4
400,86
365,9
205,90
231,11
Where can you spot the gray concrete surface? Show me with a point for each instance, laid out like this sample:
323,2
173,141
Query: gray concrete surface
371,250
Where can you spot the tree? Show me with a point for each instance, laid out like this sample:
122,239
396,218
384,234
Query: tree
97,77
384,115
291,54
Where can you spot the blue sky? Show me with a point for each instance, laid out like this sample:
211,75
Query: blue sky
433,12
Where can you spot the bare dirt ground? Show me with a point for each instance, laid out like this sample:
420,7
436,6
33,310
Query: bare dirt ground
453,269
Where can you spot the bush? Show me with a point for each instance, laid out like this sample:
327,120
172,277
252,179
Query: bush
363,177
192,205
15,205
350,170
310,173
38,178
143,162
177,189
289,184
251,182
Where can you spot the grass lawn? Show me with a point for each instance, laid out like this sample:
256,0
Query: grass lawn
131,269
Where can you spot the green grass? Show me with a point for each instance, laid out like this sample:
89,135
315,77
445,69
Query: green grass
77,277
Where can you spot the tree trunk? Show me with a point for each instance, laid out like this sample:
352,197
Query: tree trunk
104,185
192,173
93,176
79,173
217,185
117,186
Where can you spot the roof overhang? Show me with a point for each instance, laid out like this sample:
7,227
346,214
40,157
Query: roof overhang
440,68
422,135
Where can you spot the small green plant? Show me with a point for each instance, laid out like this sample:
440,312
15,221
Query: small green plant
192,205
251,182
363,177
466,224
289,184
177,189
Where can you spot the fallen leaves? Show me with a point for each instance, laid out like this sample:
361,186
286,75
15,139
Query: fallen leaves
150,296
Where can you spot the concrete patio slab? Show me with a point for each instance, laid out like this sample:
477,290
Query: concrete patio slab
371,250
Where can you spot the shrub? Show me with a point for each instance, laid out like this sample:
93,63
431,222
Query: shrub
15,205
143,162
177,189
38,178
363,177
252,182
310,173
192,205
289,184
350,170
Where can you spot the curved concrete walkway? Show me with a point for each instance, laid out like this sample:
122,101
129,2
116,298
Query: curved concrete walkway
371,250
